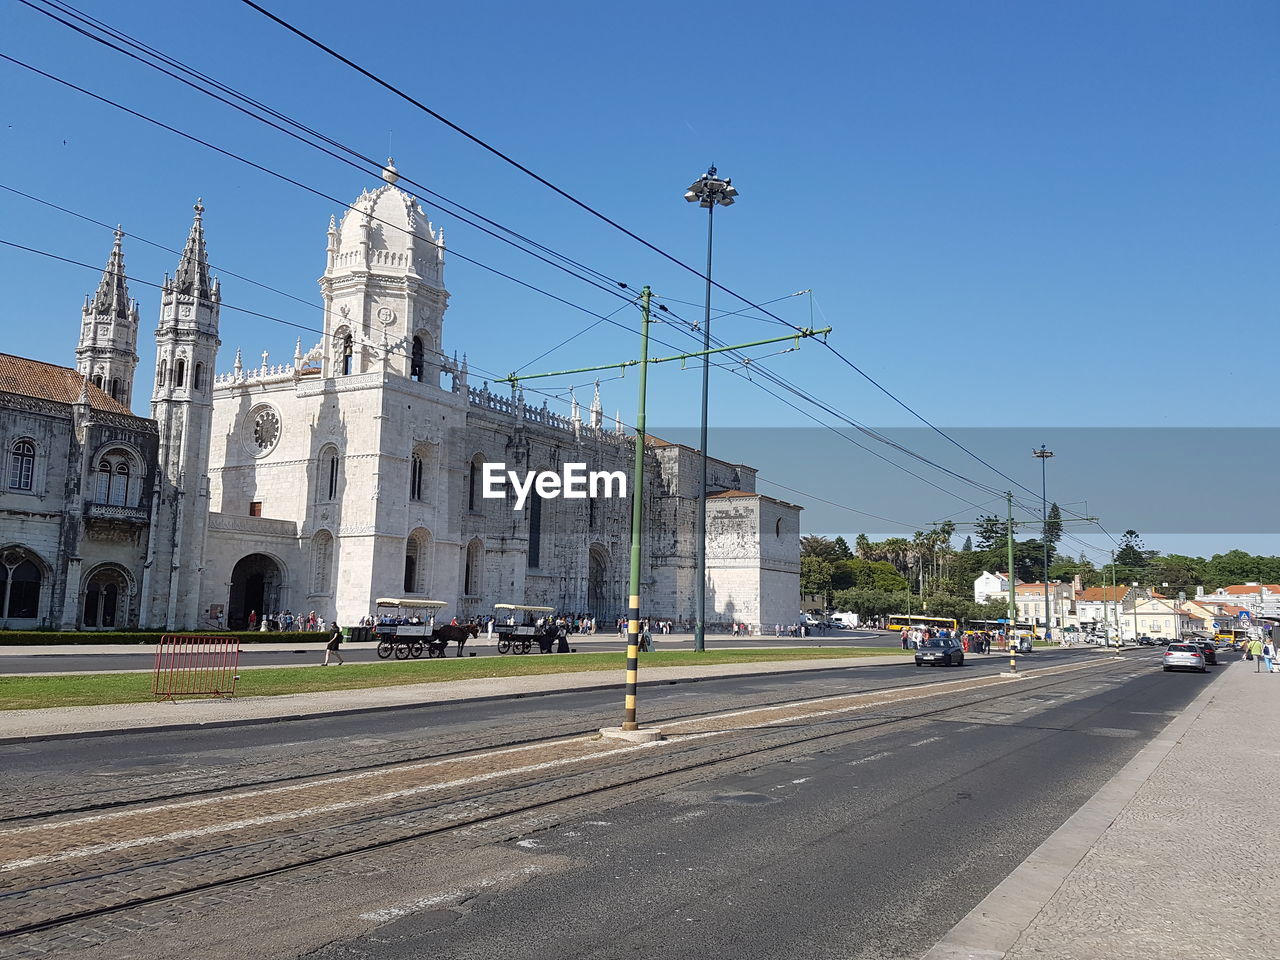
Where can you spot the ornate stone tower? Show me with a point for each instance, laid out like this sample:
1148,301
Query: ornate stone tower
182,405
383,287
107,353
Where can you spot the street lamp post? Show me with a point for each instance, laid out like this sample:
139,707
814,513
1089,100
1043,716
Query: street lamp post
708,190
1043,455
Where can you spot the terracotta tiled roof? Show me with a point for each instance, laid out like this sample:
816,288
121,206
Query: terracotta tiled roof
1109,594
1239,588
48,381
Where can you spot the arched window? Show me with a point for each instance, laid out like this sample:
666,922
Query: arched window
321,561
197,378
332,478
346,355
97,380
180,373
472,576
417,561
103,491
19,587
115,388
162,373
777,528
415,477
117,483
474,479
415,362
22,465
535,531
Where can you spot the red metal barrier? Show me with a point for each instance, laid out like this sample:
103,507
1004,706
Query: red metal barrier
188,666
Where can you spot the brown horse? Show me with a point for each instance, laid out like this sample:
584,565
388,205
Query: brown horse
455,633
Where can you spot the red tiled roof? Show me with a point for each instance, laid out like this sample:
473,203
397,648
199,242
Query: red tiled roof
48,381
1109,594
1240,588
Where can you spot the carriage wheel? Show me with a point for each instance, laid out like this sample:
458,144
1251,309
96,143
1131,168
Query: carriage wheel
526,646
384,649
504,644
416,648
402,651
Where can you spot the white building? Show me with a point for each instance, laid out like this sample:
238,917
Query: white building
990,585
355,471
1261,599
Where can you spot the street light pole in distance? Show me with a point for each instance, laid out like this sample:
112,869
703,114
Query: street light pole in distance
708,191
1043,455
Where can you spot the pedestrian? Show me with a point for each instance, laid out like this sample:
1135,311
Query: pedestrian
1268,656
253,619
1254,648
331,648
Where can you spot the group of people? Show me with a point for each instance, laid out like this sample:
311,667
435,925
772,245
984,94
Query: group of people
800,630
286,622
1263,654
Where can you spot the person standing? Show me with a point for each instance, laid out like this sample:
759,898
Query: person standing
1268,655
253,619
331,648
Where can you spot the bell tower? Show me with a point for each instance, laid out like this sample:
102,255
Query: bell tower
182,406
383,287
107,352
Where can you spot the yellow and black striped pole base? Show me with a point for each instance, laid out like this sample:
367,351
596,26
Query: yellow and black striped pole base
633,661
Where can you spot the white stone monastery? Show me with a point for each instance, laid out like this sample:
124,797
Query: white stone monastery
352,473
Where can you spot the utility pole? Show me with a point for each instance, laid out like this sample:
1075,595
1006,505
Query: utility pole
630,729
1011,637
1043,454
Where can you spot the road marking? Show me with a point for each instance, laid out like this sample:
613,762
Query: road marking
921,743
449,896
875,756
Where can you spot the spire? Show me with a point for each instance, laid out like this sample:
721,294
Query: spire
617,421
576,414
597,411
112,298
192,277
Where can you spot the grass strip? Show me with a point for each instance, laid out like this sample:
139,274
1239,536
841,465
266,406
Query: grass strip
91,689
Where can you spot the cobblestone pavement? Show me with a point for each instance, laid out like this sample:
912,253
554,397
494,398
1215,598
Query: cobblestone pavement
1187,869
68,865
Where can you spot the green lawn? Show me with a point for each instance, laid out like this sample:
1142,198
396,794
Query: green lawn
24,693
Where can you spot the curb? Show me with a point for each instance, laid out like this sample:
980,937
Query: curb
994,926
352,711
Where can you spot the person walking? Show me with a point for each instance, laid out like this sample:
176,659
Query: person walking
1253,651
1268,656
331,648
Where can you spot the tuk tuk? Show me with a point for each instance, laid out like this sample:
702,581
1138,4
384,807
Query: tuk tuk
518,625
404,626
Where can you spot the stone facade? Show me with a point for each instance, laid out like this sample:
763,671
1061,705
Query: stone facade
355,471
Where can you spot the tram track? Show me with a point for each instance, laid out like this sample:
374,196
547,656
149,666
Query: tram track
61,803
502,809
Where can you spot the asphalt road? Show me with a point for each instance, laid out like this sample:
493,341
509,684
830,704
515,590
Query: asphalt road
12,661
869,842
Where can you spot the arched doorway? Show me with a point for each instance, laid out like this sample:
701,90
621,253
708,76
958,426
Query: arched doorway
256,582
106,600
600,603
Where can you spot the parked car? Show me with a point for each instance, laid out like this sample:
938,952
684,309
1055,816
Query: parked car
938,650
1148,642
1184,656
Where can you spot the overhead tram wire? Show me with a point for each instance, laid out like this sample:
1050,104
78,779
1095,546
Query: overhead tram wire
598,279
613,223
297,183
71,11
493,375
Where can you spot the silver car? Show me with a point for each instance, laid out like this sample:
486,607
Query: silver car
1184,656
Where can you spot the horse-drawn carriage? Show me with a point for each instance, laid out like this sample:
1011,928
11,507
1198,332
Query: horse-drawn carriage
519,626
406,628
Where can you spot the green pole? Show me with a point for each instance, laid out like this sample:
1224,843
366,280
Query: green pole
637,516
1013,603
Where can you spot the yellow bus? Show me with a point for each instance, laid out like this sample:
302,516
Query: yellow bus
902,622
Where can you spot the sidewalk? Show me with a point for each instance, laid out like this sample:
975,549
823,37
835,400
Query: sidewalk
188,714
1177,857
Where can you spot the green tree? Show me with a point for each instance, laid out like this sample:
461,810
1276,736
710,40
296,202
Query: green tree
815,546
991,532
815,575
868,603
842,550
967,546
1052,531
1130,553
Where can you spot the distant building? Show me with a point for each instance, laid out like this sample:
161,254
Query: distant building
990,585
1030,600
1260,598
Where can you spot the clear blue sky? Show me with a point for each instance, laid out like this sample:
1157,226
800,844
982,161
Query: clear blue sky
1083,194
